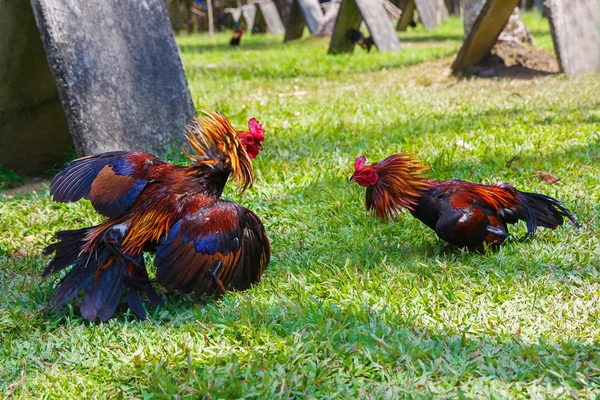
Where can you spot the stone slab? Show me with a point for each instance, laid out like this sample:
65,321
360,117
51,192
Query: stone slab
441,11
249,15
575,28
118,73
431,13
408,11
427,13
351,13
484,33
236,14
303,13
268,16
34,134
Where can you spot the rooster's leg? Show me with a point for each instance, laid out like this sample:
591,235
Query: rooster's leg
140,280
112,239
218,282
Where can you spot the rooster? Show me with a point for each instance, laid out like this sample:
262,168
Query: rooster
357,37
461,213
204,245
235,39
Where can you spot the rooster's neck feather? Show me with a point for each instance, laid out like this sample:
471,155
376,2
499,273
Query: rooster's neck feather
400,185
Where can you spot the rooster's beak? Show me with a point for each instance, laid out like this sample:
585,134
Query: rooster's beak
352,178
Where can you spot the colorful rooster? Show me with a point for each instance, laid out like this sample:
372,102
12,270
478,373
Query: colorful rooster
204,245
237,36
462,213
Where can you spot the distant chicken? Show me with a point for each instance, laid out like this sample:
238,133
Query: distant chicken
357,37
237,36
204,245
462,213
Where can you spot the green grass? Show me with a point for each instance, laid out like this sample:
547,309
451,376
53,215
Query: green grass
349,307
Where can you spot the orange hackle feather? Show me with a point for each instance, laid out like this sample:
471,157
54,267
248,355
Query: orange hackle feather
401,182
213,140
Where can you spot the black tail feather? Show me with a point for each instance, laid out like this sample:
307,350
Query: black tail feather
540,210
103,289
78,277
135,302
102,295
67,249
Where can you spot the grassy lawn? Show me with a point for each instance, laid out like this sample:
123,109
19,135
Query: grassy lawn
349,306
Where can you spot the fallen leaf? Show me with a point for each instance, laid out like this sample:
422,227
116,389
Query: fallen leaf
547,178
18,253
29,238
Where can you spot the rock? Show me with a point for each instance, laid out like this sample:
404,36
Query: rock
117,71
575,28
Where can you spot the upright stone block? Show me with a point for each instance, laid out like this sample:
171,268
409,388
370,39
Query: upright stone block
249,15
427,13
118,73
575,28
303,13
484,33
268,17
407,15
351,13
431,13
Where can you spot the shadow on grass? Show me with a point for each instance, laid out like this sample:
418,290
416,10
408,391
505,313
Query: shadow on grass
357,339
226,48
429,38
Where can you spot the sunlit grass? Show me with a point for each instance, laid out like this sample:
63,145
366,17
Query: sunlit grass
349,306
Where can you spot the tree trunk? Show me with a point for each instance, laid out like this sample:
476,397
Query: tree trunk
211,21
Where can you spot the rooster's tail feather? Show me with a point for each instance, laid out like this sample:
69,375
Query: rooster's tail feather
540,210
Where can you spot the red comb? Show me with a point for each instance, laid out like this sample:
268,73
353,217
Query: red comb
360,163
256,129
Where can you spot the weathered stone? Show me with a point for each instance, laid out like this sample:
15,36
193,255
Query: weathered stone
118,73
236,14
427,13
34,135
351,13
431,13
303,13
483,34
330,15
441,11
575,28
267,18
408,11
249,15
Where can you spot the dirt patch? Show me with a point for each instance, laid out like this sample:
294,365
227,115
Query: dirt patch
34,185
508,60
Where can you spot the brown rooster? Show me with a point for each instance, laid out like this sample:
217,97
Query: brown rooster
203,244
462,213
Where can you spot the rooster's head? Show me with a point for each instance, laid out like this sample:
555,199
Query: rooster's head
215,146
252,138
393,183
